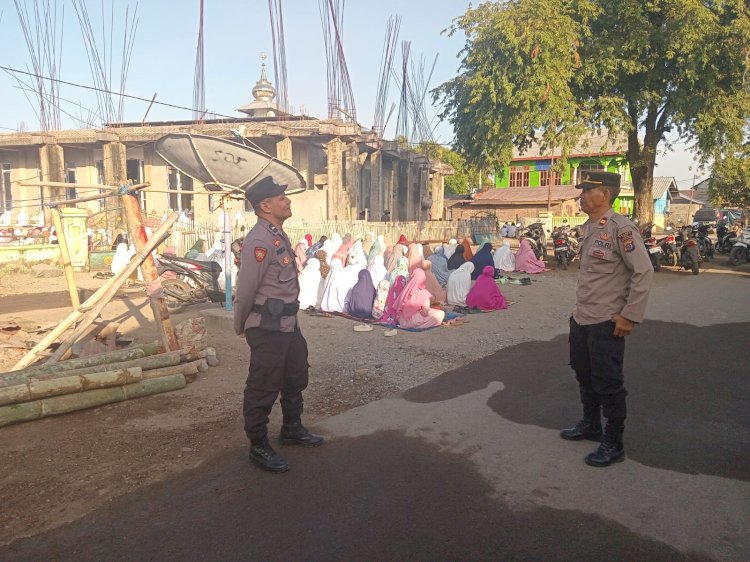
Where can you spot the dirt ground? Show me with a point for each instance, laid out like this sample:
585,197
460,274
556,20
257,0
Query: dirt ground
58,469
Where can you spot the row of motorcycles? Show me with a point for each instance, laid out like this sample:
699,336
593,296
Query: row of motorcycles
736,244
687,248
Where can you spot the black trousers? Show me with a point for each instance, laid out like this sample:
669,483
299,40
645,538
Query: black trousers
278,364
596,356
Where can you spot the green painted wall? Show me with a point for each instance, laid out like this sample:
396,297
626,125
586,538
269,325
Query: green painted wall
502,177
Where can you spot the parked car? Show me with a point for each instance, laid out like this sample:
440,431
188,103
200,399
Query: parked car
706,215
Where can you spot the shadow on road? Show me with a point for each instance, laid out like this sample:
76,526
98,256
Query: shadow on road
688,403
382,497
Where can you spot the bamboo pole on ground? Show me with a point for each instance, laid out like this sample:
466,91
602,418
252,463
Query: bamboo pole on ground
62,242
69,384
132,211
81,380
150,362
105,289
55,405
100,359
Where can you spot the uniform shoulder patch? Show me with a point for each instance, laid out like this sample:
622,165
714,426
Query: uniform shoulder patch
603,221
260,254
626,235
629,245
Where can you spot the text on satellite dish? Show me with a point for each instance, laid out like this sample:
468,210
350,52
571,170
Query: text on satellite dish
228,157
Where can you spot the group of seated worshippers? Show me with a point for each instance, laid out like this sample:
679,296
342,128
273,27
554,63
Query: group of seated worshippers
403,284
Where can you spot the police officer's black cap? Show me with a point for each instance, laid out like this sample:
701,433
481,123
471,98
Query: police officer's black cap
608,180
263,189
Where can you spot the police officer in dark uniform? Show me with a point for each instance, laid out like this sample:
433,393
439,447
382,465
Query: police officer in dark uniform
613,285
265,312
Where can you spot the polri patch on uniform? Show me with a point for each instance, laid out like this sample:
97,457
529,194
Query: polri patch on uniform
627,235
277,242
603,221
630,245
260,254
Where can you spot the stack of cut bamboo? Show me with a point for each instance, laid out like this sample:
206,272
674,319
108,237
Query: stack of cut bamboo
57,388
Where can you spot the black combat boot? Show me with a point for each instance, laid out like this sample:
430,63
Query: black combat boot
294,433
263,456
590,427
611,449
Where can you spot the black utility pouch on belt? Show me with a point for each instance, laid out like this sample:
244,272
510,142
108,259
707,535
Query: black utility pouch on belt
270,315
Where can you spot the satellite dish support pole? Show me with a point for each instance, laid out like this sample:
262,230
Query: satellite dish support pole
227,254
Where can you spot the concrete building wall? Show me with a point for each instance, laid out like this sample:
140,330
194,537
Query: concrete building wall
357,175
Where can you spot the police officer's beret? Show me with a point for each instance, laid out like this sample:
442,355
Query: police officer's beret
263,189
607,180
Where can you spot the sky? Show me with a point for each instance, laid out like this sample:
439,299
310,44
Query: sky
236,32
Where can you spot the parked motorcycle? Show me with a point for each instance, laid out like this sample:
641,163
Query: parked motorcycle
741,249
564,246
536,236
725,238
194,281
668,247
690,256
655,253
236,247
705,244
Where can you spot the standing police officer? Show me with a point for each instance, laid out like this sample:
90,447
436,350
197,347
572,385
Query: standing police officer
265,312
613,285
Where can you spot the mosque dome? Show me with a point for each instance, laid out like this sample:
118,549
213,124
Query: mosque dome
263,89
263,94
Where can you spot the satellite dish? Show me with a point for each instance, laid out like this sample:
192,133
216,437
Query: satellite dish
224,165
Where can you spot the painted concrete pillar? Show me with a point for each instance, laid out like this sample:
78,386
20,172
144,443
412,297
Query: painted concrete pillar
115,158
304,166
412,193
76,235
334,193
574,166
352,180
376,185
424,194
395,179
401,190
284,151
52,167
437,190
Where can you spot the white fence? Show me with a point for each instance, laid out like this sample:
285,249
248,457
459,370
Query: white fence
184,235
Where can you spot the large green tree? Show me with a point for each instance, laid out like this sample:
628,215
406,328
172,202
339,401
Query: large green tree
730,180
464,177
550,70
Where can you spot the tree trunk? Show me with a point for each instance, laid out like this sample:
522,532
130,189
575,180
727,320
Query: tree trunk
642,161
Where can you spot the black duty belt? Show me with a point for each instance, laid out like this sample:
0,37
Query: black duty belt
289,309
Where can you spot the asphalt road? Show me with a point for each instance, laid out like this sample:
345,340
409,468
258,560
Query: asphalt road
469,466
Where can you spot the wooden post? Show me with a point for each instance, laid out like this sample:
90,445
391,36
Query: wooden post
132,211
65,257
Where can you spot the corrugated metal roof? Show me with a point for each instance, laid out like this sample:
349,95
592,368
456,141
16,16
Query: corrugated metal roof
525,195
661,185
590,145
